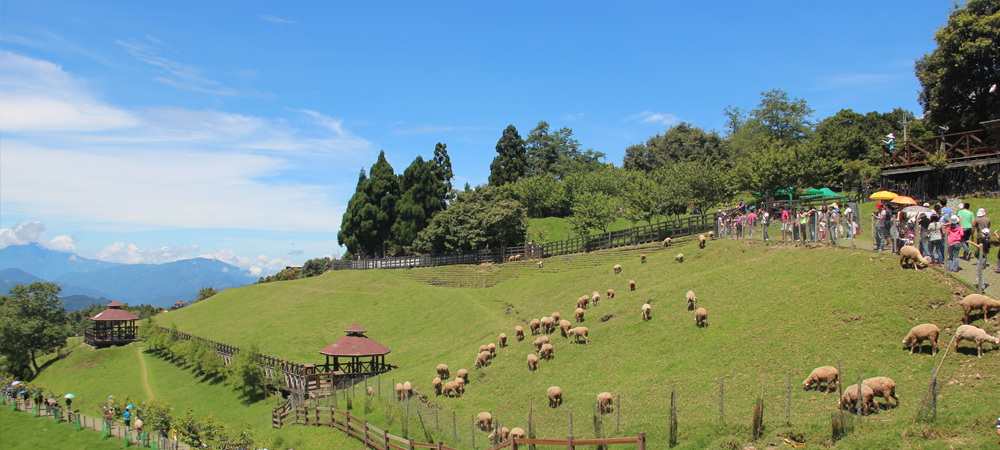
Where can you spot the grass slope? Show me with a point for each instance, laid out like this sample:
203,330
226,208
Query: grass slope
23,432
773,311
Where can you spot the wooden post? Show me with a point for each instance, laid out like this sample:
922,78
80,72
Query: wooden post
454,427
934,391
641,441
860,396
721,417
571,421
569,442
472,428
406,421
347,423
385,438
411,444
437,424
531,405
788,401
618,408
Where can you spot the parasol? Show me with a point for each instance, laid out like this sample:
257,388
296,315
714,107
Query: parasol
69,396
884,195
904,200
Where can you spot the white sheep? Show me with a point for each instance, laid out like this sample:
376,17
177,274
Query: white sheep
920,333
579,315
546,351
605,403
910,256
850,398
692,300
532,362
618,269
701,241
502,340
679,258
611,294
666,242
976,335
534,325
580,332
519,333
463,374
883,387
542,340
642,258
583,302
436,382
443,372
540,264
828,374
594,298
646,309
555,396
711,235
564,326
976,302
484,421
631,285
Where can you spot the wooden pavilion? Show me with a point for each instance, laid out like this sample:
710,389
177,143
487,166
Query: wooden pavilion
113,326
354,356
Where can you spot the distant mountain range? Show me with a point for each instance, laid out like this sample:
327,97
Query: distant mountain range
154,284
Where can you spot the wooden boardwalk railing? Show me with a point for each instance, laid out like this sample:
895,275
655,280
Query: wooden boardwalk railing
570,443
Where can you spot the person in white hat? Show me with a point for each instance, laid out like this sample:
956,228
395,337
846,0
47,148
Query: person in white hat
982,243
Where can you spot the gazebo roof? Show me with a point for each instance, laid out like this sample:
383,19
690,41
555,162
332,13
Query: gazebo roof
114,304
114,313
355,344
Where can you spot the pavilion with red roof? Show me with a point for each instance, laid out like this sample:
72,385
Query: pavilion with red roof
355,355
113,326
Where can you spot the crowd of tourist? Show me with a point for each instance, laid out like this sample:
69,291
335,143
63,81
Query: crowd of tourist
801,224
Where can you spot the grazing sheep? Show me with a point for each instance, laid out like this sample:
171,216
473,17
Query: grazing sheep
976,302
546,351
679,258
484,421
483,359
500,434
579,332
605,402
692,300
828,374
463,374
583,302
666,242
711,235
437,385
492,348
407,389
548,325
701,317
594,299
517,433
701,241
519,333
974,334
920,333
910,256
484,348
513,258
565,325
631,285
443,372
450,389
555,396
618,269
850,398
646,309
460,382
642,258
532,362
399,391
502,340
556,316
579,315
534,326
883,387
540,264
611,294
542,340
370,391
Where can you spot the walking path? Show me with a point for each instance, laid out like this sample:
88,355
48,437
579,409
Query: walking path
145,379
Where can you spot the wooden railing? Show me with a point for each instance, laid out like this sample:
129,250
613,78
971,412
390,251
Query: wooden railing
957,147
92,336
571,443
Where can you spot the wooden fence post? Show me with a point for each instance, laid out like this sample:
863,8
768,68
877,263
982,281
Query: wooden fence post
569,442
788,401
472,428
454,427
411,444
641,441
860,396
618,408
366,432
721,417
571,421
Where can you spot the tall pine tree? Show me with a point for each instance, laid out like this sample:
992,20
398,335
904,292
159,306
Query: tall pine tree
510,163
351,234
421,199
442,169
379,213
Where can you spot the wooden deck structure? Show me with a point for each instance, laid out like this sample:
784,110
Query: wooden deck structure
113,326
973,165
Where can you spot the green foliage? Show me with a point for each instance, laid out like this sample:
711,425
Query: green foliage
477,219
510,163
206,292
593,211
79,320
245,372
541,196
353,233
640,197
382,191
286,274
157,416
32,323
777,117
859,174
694,184
420,201
958,76
316,267
443,172
681,142
557,154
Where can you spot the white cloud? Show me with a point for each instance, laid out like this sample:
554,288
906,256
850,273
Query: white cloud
277,20
39,96
31,232
256,267
174,73
120,252
657,118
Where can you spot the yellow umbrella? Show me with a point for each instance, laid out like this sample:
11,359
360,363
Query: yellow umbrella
883,195
904,200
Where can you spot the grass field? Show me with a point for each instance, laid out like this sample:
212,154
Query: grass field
23,432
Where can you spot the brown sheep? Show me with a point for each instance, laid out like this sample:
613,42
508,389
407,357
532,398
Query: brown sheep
565,325
701,317
883,387
666,242
443,372
579,315
463,374
828,374
534,325
974,334
407,389
556,316
611,294
701,241
618,269
542,340
692,300
483,359
642,258
849,400
532,362
492,348
460,382
437,385
500,434
583,302
631,285
517,433
579,332
977,302
541,264
920,333
484,348
646,310
555,396
399,391
910,256
605,402
679,258
502,340
711,235
546,351
548,325
370,391
519,333
450,389
594,299
484,421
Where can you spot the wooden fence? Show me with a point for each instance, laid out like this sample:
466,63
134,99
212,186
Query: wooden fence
570,443
956,146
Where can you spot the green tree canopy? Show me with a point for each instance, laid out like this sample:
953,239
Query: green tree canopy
776,118
541,196
353,234
476,219
557,153
420,201
32,323
206,292
681,142
442,169
510,162
960,77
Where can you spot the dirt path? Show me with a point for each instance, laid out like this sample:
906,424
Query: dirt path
145,379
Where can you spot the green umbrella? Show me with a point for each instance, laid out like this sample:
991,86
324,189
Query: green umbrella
69,396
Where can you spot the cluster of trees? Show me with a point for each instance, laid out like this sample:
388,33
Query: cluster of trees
32,323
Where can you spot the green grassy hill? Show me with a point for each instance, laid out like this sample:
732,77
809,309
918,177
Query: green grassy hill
773,310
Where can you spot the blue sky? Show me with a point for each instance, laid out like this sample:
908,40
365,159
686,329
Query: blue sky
152,131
